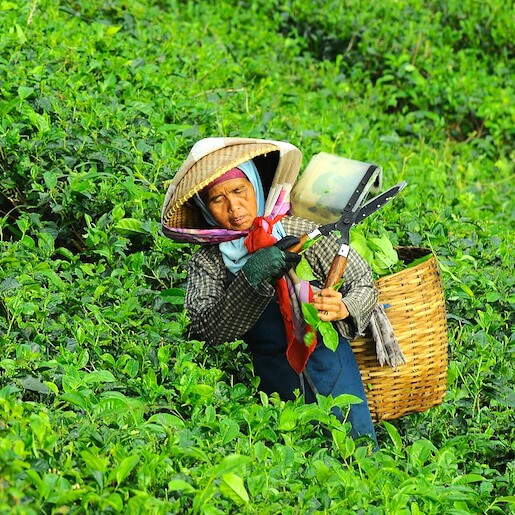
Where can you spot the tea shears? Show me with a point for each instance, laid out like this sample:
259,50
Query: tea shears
353,213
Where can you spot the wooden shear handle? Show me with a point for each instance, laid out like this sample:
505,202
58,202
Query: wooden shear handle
337,266
336,271
298,247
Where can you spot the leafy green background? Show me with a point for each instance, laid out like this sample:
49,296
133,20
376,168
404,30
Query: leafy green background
106,405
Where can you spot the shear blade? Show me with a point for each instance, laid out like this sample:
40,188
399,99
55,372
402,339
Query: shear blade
378,202
362,189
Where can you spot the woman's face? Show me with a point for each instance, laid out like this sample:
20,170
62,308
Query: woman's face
233,204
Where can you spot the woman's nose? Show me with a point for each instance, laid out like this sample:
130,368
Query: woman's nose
231,204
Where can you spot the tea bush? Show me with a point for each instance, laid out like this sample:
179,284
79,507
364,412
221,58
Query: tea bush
106,404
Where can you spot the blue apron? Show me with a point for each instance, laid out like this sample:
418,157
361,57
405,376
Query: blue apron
331,373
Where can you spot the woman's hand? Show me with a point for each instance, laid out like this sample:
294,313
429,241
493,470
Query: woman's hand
271,263
329,305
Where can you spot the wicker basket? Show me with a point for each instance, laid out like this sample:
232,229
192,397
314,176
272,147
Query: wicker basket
417,315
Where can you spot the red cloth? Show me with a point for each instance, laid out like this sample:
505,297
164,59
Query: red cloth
261,234
297,352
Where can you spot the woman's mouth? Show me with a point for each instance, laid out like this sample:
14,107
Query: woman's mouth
242,223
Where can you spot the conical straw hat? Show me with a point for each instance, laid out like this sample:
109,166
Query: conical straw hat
195,174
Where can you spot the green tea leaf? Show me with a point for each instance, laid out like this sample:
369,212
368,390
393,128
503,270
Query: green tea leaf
493,296
377,251
233,487
166,420
378,268
461,284
179,485
309,243
346,447
385,256
329,335
94,461
115,501
40,121
337,285
359,243
112,30
419,261
468,478
5,6
288,420
304,271
506,498
124,468
129,226
34,384
99,376
50,179
76,398
384,261
308,339
346,399
384,245
230,463
310,314
229,430
36,480
52,387
174,296
466,289
394,435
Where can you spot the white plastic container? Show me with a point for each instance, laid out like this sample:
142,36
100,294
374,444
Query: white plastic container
326,185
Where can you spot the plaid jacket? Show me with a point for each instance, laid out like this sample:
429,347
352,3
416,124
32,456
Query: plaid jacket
222,311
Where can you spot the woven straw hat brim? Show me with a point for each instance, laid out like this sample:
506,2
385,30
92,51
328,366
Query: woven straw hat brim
177,213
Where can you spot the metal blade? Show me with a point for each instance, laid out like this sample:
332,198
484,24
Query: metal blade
363,188
378,202
326,229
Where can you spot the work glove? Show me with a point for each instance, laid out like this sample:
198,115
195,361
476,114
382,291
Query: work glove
271,263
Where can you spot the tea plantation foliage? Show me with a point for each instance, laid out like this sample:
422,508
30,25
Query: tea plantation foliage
106,405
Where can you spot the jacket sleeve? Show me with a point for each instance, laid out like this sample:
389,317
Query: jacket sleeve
358,289
220,311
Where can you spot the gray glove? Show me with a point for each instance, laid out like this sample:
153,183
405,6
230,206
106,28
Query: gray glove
272,262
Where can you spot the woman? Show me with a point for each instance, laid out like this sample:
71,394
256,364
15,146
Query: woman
241,284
